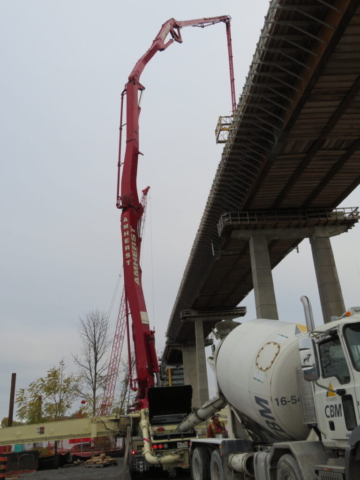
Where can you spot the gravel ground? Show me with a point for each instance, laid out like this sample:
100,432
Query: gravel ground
80,473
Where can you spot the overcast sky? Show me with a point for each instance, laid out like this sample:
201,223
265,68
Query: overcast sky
64,64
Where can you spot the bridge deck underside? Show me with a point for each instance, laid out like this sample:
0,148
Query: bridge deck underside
294,143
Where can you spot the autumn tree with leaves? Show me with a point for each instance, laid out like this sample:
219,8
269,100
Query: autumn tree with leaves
48,398
5,423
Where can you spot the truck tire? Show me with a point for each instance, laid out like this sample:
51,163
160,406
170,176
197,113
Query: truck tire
216,466
288,469
200,464
133,474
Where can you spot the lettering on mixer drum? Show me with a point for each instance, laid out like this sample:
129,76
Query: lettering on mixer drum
270,421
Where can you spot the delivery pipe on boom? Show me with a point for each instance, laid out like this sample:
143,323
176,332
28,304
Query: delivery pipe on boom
144,340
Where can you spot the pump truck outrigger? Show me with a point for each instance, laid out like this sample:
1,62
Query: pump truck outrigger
157,411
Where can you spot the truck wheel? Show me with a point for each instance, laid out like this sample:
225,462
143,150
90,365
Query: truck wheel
288,469
133,474
216,466
200,464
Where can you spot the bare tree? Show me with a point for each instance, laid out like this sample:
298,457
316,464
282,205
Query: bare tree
94,334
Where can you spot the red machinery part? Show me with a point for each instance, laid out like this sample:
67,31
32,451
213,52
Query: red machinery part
132,210
122,326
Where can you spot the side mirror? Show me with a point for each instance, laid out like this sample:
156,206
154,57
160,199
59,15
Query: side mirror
309,360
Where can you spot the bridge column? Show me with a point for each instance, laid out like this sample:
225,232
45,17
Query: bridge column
203,389
195,374
190,371
332,302
265,300
193,356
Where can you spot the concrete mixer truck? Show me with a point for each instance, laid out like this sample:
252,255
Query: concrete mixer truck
293,397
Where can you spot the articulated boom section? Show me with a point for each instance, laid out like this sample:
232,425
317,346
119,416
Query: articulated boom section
132,210
146,360
121,327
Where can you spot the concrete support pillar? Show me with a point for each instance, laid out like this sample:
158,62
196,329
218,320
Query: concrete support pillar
203,389
190,372
332,302
265,299
194,363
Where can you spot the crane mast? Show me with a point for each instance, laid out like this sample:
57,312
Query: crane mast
143,337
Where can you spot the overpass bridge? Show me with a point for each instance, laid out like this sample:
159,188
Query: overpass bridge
291,157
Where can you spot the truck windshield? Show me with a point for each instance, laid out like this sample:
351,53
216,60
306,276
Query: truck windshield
333,362
352,336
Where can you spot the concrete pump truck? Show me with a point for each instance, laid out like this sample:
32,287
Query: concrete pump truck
154,441
150,427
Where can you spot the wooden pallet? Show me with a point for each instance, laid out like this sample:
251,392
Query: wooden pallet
100,461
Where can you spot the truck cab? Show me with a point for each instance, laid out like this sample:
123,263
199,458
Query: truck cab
330,360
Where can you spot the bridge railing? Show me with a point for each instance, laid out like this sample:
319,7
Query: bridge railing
289,218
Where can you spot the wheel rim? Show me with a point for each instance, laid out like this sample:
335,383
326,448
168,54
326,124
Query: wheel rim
196,469
216,472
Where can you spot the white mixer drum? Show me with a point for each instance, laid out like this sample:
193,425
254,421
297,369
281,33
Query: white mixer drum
256,371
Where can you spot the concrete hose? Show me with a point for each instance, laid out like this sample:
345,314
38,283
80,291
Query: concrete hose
148,454
201,414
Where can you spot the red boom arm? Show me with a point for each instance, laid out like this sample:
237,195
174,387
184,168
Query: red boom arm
144,341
